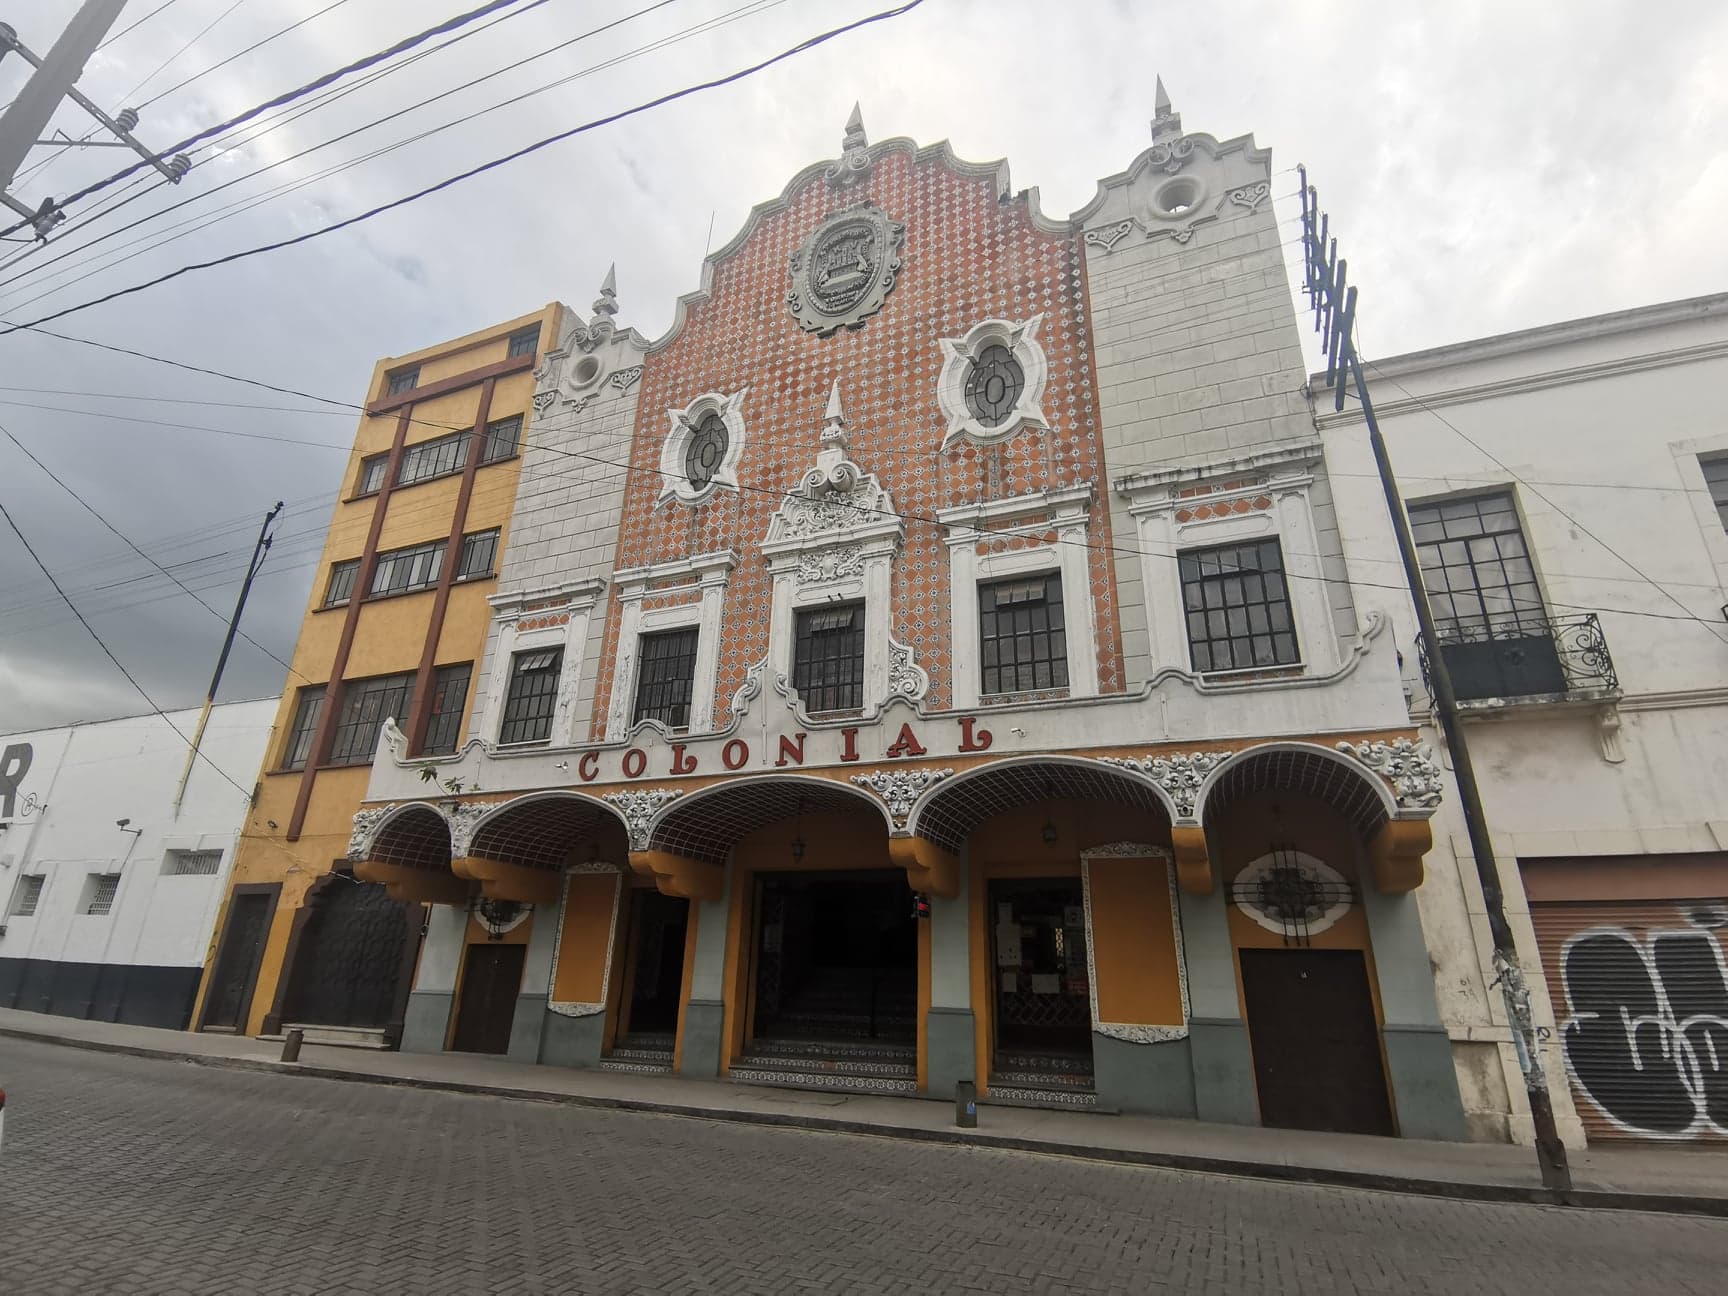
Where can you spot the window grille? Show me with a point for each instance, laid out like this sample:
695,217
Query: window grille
192,863
665,676
341,587
372,471
1023,635
401,570
102,889
524,342
439,457
828,658
449,694
29,895
502,437
994,384
1716,477
300,733
403,380
533,696
1238,607
706,451
1477,568
479,552
365,705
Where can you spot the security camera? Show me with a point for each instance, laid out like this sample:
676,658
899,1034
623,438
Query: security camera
121,823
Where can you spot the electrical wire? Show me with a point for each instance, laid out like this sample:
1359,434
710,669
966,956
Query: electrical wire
127,30
256,45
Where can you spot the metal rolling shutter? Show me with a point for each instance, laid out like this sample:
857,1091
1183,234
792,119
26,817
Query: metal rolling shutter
1640,995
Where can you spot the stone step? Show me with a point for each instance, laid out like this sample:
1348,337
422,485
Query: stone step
637,1066
743,1073
1065,1081
662,1056
870,1050
1001,1095
360,1037
890,1067
1055,1063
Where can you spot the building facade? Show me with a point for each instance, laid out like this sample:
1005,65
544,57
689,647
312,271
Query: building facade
935,659
1568,491
394,630
110,889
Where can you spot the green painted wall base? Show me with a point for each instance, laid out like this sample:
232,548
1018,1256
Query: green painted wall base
951,1050
427,1021
571,1041
1152,1079
1424,1083
1223,1071
526,1028
704,1024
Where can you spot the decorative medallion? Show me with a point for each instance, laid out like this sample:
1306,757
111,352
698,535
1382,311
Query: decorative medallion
1292,894
845,270
639,809
900,788
1406,765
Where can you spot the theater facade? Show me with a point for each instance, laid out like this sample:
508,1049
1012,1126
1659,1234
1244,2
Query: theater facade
934,661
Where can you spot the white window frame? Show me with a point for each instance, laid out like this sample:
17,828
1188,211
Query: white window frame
1067,512
683,425
711,573
92,893
16,908
957,356
576,603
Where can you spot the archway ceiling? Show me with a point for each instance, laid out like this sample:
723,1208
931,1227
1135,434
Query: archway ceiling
539,833
415,839
961,806
1306,773
708,826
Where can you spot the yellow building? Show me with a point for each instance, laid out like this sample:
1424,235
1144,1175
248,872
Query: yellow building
397,620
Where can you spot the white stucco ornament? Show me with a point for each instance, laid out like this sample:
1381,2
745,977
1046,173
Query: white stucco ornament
639,809
704,442
899,789
1408,766
1179,775
366,824
992,381
845,270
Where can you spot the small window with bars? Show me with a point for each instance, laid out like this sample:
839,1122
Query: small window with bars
366,704
479,553
828,658
403,380
99,892
665,676
192,863
533,696
1238,607
1716,478
1023,636
502,437
373,469
524,342
299,746
1477,569
449,695
402,570
29,895
439,457
341,587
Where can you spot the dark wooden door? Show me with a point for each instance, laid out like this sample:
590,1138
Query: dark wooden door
657,933
348,968
1316,1048
236,972
490,979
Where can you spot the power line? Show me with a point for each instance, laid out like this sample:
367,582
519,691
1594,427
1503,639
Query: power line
163,66
134,26
181,85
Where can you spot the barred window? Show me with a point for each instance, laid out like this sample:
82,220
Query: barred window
366,704
1716,478
502,437
994,384
401,570
449,694
99,891
341,587
29,895
372,471
524,342
1477,568
1024,640
665,676
436,458
1238,607
403,380
706,451
192,863
533,696
299,746
828,657
479,552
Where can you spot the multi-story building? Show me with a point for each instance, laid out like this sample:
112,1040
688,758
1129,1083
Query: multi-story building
933,660
1568,491
395,625
109,885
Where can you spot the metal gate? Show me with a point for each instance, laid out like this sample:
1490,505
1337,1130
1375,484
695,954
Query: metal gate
349,964
1640,995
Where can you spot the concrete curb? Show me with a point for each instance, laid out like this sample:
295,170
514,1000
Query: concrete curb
1321,1176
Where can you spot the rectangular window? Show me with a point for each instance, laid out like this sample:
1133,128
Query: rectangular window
29,895
828,658
1716,477
1238,607
479,552
1023,638
372,471
1477,568
341,587
365,705
299,748
449,695
502,437
403,380
401,570
533,696
436,458
524,342
99,892
192,863
665,676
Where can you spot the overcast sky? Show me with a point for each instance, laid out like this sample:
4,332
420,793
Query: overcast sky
1490,166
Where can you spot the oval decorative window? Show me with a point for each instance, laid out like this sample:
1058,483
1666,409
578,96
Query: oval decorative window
993,385
706,451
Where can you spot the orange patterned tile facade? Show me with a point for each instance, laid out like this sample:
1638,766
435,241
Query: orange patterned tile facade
967,257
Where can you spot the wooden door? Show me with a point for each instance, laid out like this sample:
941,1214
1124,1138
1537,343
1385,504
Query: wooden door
229,999
491,977
1316,1048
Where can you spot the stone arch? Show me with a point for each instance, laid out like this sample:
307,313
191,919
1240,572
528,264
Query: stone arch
412,835
948,812
540,829
706,824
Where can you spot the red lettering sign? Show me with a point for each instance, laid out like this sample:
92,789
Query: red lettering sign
635,761
906,744
682,764
849,750
734,754
791,750
588,767
968,742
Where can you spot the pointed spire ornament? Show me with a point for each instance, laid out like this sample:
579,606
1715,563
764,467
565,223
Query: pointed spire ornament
833,443
854,163
1166,121
855,137
605,307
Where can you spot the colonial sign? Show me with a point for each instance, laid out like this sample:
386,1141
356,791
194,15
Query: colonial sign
845,270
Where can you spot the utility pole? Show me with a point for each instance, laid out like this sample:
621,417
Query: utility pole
1334,320
23,125
259,549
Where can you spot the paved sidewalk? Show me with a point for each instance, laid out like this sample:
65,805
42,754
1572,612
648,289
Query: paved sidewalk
1662,1179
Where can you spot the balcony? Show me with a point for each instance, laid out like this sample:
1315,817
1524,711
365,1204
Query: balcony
1527,658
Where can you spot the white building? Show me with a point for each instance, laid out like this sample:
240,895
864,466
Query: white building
109,895
1568,487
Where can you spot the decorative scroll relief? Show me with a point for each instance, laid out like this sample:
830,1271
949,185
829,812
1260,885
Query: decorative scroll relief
820,566
1179,775
1110,236
830,502
751,688
585,1008
845,270
900,789
906,678
1408,766
463,818
1251,196
639,809
366,824
992,381
704,442
1133,1032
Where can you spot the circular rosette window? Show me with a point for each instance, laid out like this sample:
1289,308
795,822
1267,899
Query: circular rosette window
703,444
1292,894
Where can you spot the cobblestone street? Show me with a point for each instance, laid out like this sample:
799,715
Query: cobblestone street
128,1175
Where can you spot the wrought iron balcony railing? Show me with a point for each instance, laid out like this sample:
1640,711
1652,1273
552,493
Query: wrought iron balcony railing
1526,657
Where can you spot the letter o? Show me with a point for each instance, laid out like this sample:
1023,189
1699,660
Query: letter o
635,761
734,754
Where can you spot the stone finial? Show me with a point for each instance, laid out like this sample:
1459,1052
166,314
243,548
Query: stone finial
833,443
855,137
854,163
1166,121
607,302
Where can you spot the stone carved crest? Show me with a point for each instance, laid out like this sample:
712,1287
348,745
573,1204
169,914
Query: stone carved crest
1179,775
462,818
845,270
365,828
1408,766
831,564
899,789
639,809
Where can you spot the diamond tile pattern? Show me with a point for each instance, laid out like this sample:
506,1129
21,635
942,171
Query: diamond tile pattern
961,805
705,828
1350,793
417,838
540,833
